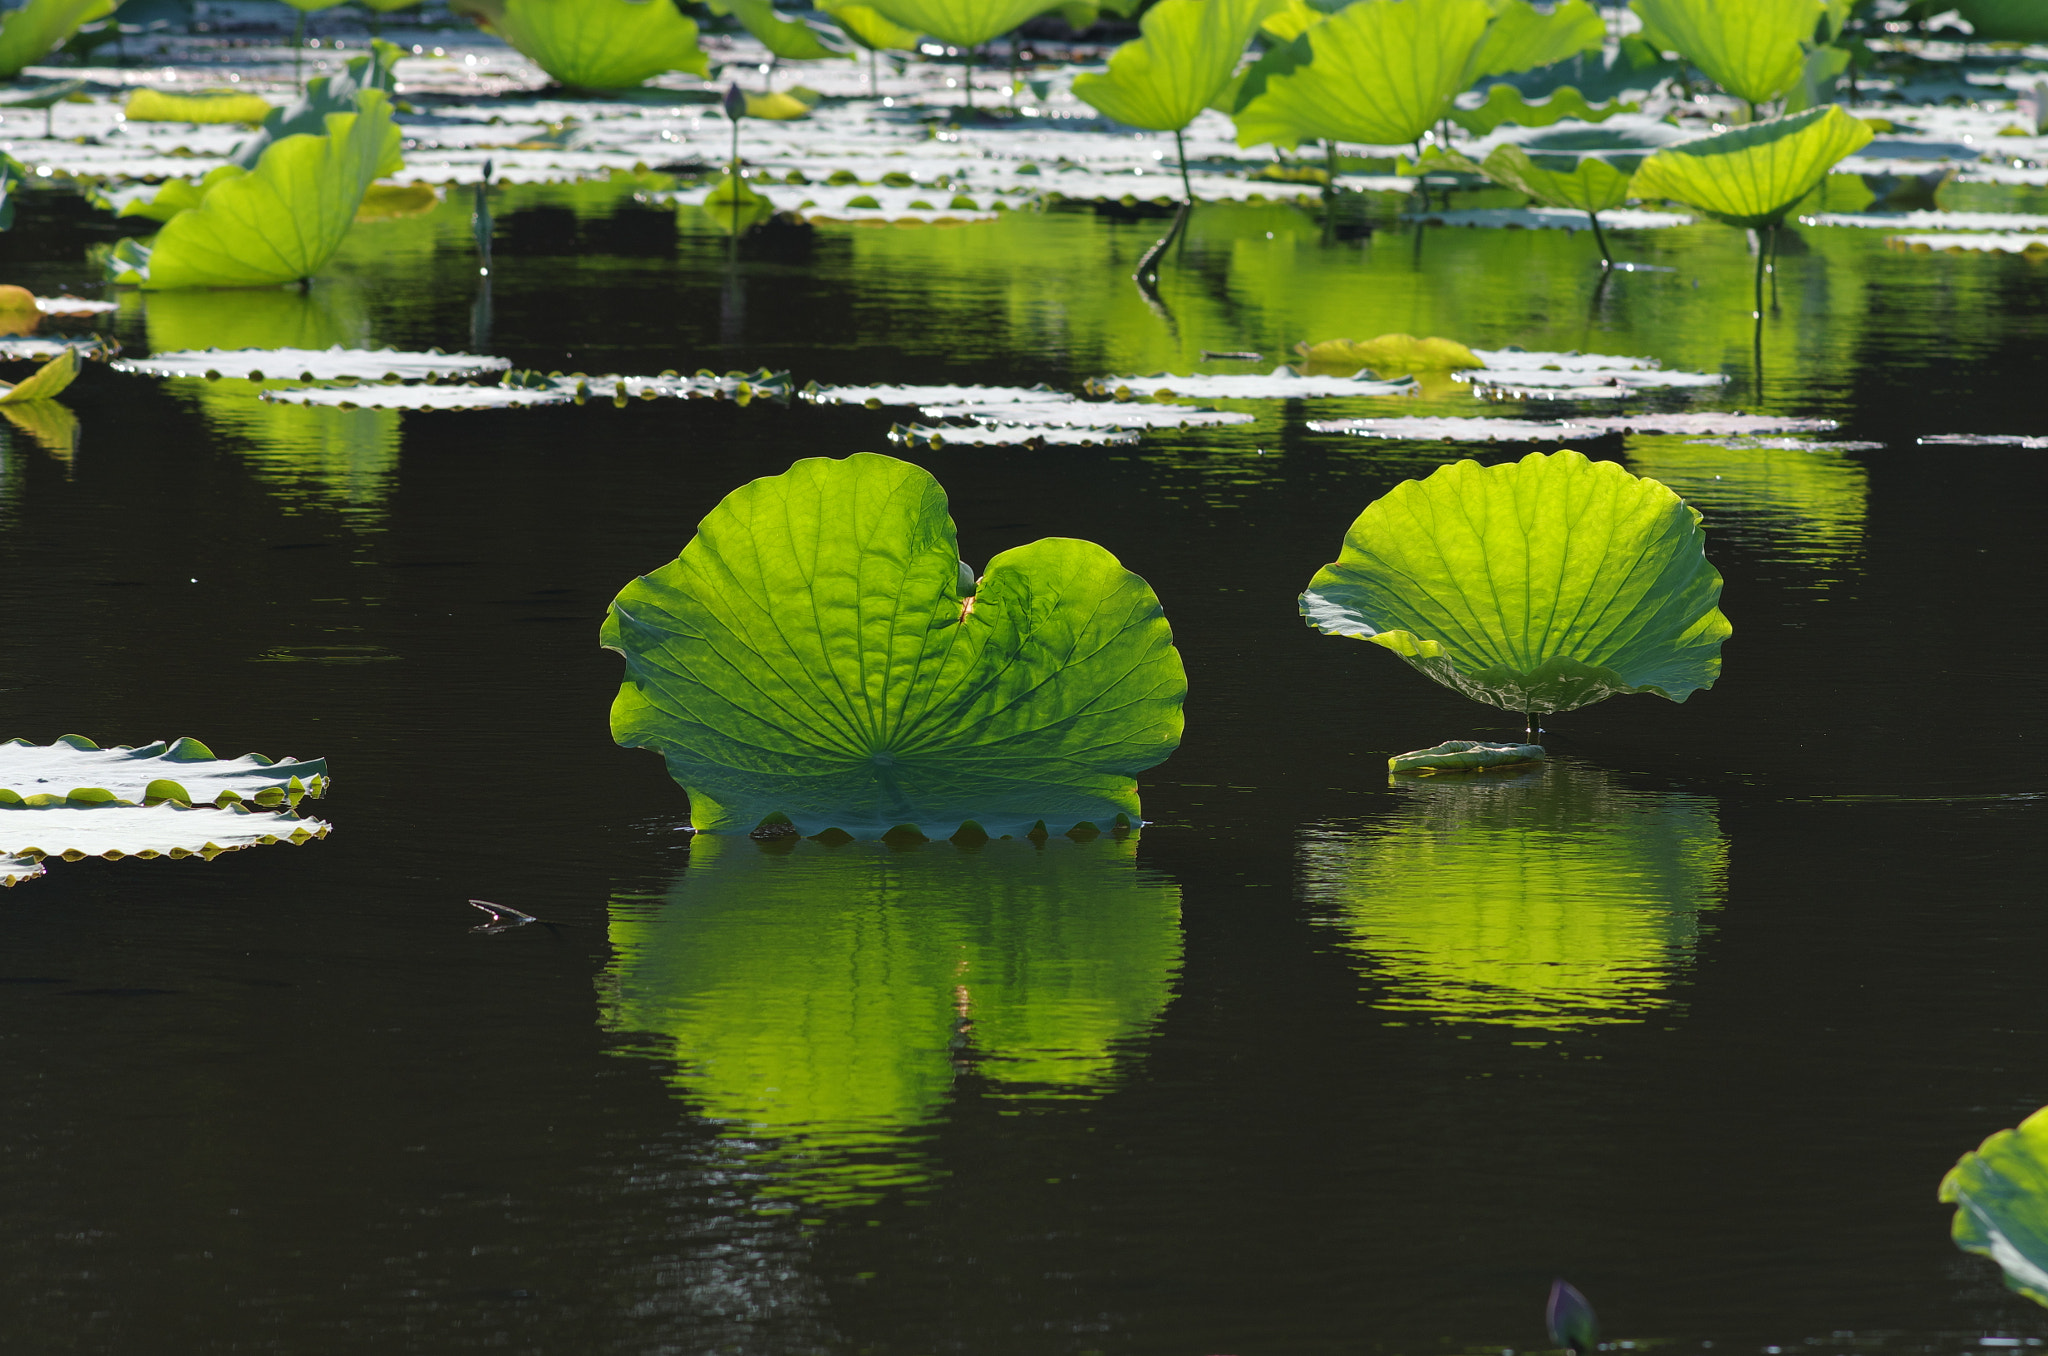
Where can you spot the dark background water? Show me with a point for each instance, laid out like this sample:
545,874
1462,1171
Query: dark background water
286,1100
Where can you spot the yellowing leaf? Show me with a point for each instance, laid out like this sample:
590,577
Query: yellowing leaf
213,105
1390,355
777,107
391,202
48,380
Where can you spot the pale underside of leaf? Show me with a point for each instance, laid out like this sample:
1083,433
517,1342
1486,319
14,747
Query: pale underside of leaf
183,770
116,831
301,364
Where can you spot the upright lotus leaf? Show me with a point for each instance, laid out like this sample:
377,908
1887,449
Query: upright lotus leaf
178,195
325,94
790,39
1754,175
820,652
284,220
821,1003
1538,585
595,44
867,26
1187,54
1754,49
2005,20
1588,183
1381,72
964,23
76,769
1522,38
2001,1197
46,381
30,33
1552,898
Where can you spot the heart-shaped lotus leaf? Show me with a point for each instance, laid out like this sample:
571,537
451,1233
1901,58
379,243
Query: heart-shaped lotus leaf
29,33
964,23
1589,183
281,221
866,26
46,381
1754,49
1381,72
2001,1197
1538,585
213,105
1465,755
1188,53
77,770
2005,20
1522,38
1754,175
817,1001
790,39
595,44
1390,355
819,652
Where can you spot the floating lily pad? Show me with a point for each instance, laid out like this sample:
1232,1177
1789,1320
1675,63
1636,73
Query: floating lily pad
75,769
1389,355
1533,379
42,350
1932,221
1091,414
1466,755
1009,435
14,870
213,105
1965,242
1983,440
451,397
1525,360
1280,384
67,305
1553,218
313,364
115,831
876,397
1454,429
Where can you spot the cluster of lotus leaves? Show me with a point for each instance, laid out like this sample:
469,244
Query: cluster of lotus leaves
820,653
2001,1197
1539,585
595,44
1753,175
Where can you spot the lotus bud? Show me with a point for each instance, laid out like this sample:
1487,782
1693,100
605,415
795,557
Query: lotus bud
735,101
1570,1319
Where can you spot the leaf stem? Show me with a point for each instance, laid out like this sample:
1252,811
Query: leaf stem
1180,145
1600,238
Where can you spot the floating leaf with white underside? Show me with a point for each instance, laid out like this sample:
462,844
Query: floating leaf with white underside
74,832
1539,585
77,770
2001,1197
312,364
820,652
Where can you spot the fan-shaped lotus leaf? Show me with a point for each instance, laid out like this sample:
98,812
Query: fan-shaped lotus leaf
2001,1197
281,222
819,651
1188,53
1378,71
965,23
595,44
1290,20
1390,355
1753,176
324,94
791,39
866,26
1751,48
223,105
1522,38
2006,20
29,33
1539,585
1588,183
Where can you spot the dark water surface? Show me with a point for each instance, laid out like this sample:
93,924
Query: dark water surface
1697,1016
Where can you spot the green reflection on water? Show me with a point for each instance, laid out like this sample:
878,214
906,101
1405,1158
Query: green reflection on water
820,1001
1555,898
1812,502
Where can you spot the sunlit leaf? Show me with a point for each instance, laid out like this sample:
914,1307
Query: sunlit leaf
966,23
1538,585
776,106
819,1002
1378,71
395,202
1505,103
1588,183
1521,37
2001,1197
29,33
866,26
74,769
1390,355
1751,48
48,380
595,44
790,39
1751,176
325,94
214,105
1465,755
75,830
820,652
1187,54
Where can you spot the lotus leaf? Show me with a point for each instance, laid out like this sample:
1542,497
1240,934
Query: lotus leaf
1754,175
1551,899
790,39
298,364
178,195
324,94
76,769
1539,585
1291,19
875,397
595,44
1280,384
964,23
818,1002
2001,1197
1390,355
450,397
214,105
2005,20
46,381
866,26
27,34
395,202
1505,103
1754,49
1522,38
1378,71
778,106
1189,50
1009,435
818,651
74,830
14,870
1588,183
1465,755
280,222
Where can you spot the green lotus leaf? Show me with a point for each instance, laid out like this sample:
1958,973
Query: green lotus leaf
1522,38
791,39
1505,103
325,94
1381,72
866,26
1754,175
821,1001
964,23
280,222
214,105
1465,755
2001,1197
30,33
1551,899
595,44
1539,585
74,768
2005,20
1389,355
820,652
1188,53
1754,49
1588,183
46,381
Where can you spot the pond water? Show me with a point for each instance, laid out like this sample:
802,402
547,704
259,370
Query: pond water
1696,1016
